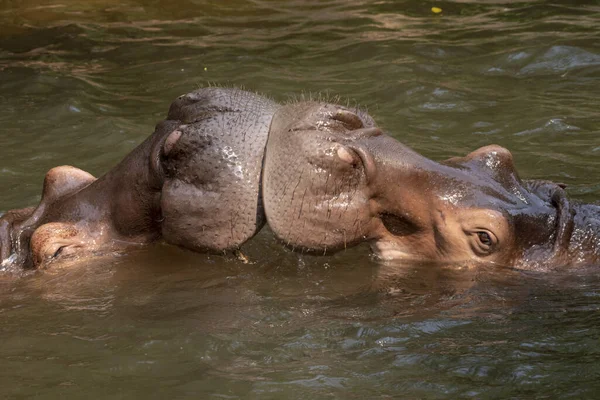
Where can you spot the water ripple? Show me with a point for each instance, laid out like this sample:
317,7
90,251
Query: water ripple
167,323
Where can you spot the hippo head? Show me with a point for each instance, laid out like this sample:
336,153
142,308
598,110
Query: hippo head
80,216
332,179
195,182
476,208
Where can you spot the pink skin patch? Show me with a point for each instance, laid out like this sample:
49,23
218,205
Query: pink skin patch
171,141
345,155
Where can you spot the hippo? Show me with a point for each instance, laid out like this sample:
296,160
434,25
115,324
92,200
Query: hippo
332,179
324,177
194,182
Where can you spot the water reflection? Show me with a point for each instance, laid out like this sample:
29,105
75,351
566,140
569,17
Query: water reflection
292,322
162,283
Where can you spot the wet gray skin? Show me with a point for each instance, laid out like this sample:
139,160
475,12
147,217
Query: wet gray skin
194,182
323,176
332,179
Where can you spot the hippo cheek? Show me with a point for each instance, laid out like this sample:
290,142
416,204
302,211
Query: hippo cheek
210,197
390,248
190,216
449,235
212,162
478,234
210,217
318,201
399,237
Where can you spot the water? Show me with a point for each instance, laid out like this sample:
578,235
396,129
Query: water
82,83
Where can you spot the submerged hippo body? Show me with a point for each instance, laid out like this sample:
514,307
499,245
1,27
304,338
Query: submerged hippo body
323,176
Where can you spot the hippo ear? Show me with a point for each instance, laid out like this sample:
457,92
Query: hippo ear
60,181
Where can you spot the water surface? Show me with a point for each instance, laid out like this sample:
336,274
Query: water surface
82,83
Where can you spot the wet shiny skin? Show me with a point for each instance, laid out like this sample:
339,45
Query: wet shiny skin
327,178
83,86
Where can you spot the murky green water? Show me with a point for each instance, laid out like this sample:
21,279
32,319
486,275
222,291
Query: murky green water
82,83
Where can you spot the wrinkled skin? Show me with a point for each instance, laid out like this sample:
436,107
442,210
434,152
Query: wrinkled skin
194,182
323,176
336,180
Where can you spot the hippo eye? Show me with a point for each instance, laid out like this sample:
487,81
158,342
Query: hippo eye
58,251
484,242
485,238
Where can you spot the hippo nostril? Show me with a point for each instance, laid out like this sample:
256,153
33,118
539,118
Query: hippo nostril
346,156
171,141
